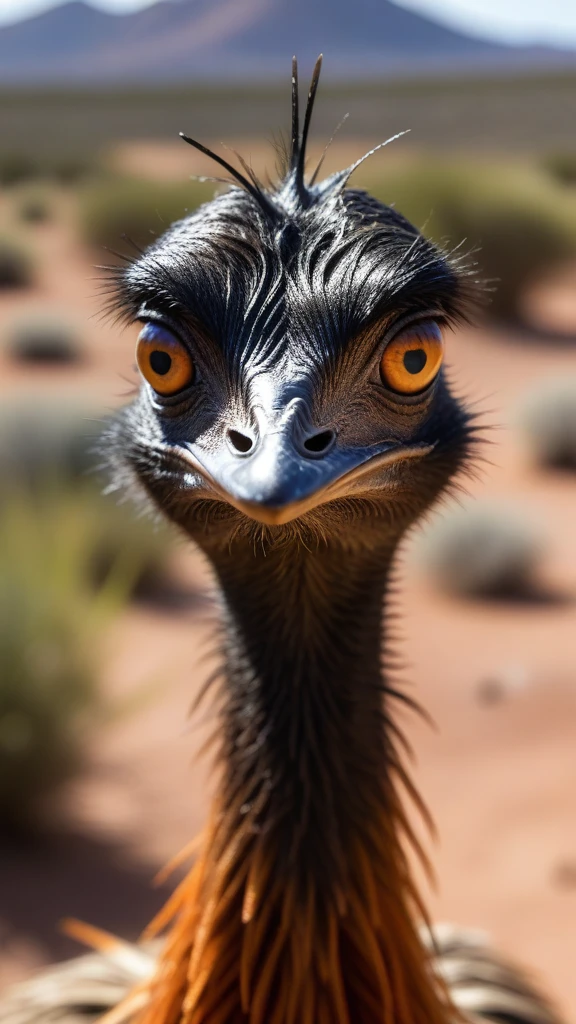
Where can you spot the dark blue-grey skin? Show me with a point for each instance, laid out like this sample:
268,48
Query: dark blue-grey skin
297,470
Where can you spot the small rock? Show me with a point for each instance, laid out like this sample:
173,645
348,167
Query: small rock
490,691
564,874
495,688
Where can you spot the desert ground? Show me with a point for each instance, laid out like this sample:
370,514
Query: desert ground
499,776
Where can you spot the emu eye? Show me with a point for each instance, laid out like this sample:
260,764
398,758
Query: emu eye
413,358
163,360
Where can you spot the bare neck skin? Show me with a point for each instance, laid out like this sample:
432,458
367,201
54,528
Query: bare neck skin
301,907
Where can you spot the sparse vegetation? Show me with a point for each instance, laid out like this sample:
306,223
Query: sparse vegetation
50,626
484,113
46,441
547,421
118,212
43,339
55,449
71,170
17,168
34,208
562,167
70,557
482,550
119,532
517,224
15,266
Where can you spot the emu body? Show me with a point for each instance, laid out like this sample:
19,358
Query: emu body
286,455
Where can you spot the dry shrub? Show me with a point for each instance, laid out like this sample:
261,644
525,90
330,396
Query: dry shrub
43,339
51,623
64,168
119,209
17,167
54,449
46,441
34,208
562,167
70,558
15,266
483,550
517,223
547,420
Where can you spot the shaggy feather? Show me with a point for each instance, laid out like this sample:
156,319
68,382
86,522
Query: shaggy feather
483,985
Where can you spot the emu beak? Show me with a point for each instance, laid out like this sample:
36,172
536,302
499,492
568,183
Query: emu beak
278,481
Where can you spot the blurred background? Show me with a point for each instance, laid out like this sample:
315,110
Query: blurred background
106,621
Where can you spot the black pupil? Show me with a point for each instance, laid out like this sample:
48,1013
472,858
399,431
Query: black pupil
415,360
160,362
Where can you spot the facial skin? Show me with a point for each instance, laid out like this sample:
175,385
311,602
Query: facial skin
292,371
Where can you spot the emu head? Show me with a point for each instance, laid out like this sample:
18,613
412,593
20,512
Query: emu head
291,354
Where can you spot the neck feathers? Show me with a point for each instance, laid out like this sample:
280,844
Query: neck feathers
301,908
249,944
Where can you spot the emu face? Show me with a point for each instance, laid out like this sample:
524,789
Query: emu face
292,365
292,360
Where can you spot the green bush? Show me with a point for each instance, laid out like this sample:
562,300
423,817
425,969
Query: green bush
562,167
484,550
71,170
51,623
65,169
70,557
516,222
136,210
120,532
53,448
17,167
547,420
44,441
15,267
43,339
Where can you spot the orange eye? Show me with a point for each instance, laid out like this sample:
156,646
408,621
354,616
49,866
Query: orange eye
413,358
163,360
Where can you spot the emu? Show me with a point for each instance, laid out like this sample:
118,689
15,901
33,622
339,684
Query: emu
295,420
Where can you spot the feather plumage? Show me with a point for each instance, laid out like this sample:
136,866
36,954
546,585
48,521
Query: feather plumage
483,985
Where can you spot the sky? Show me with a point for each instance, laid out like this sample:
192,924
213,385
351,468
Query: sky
516,21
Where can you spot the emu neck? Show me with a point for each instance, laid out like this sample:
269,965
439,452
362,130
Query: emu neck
303,650
300,908
304,616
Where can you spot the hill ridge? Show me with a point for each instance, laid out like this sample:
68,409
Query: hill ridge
222,39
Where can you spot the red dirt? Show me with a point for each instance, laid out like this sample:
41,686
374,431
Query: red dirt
498,776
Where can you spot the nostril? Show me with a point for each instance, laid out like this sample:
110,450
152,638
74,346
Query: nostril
319,442
241,442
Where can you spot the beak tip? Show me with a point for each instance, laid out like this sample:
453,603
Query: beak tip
269,515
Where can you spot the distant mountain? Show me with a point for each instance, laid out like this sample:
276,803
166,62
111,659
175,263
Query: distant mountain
224,39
